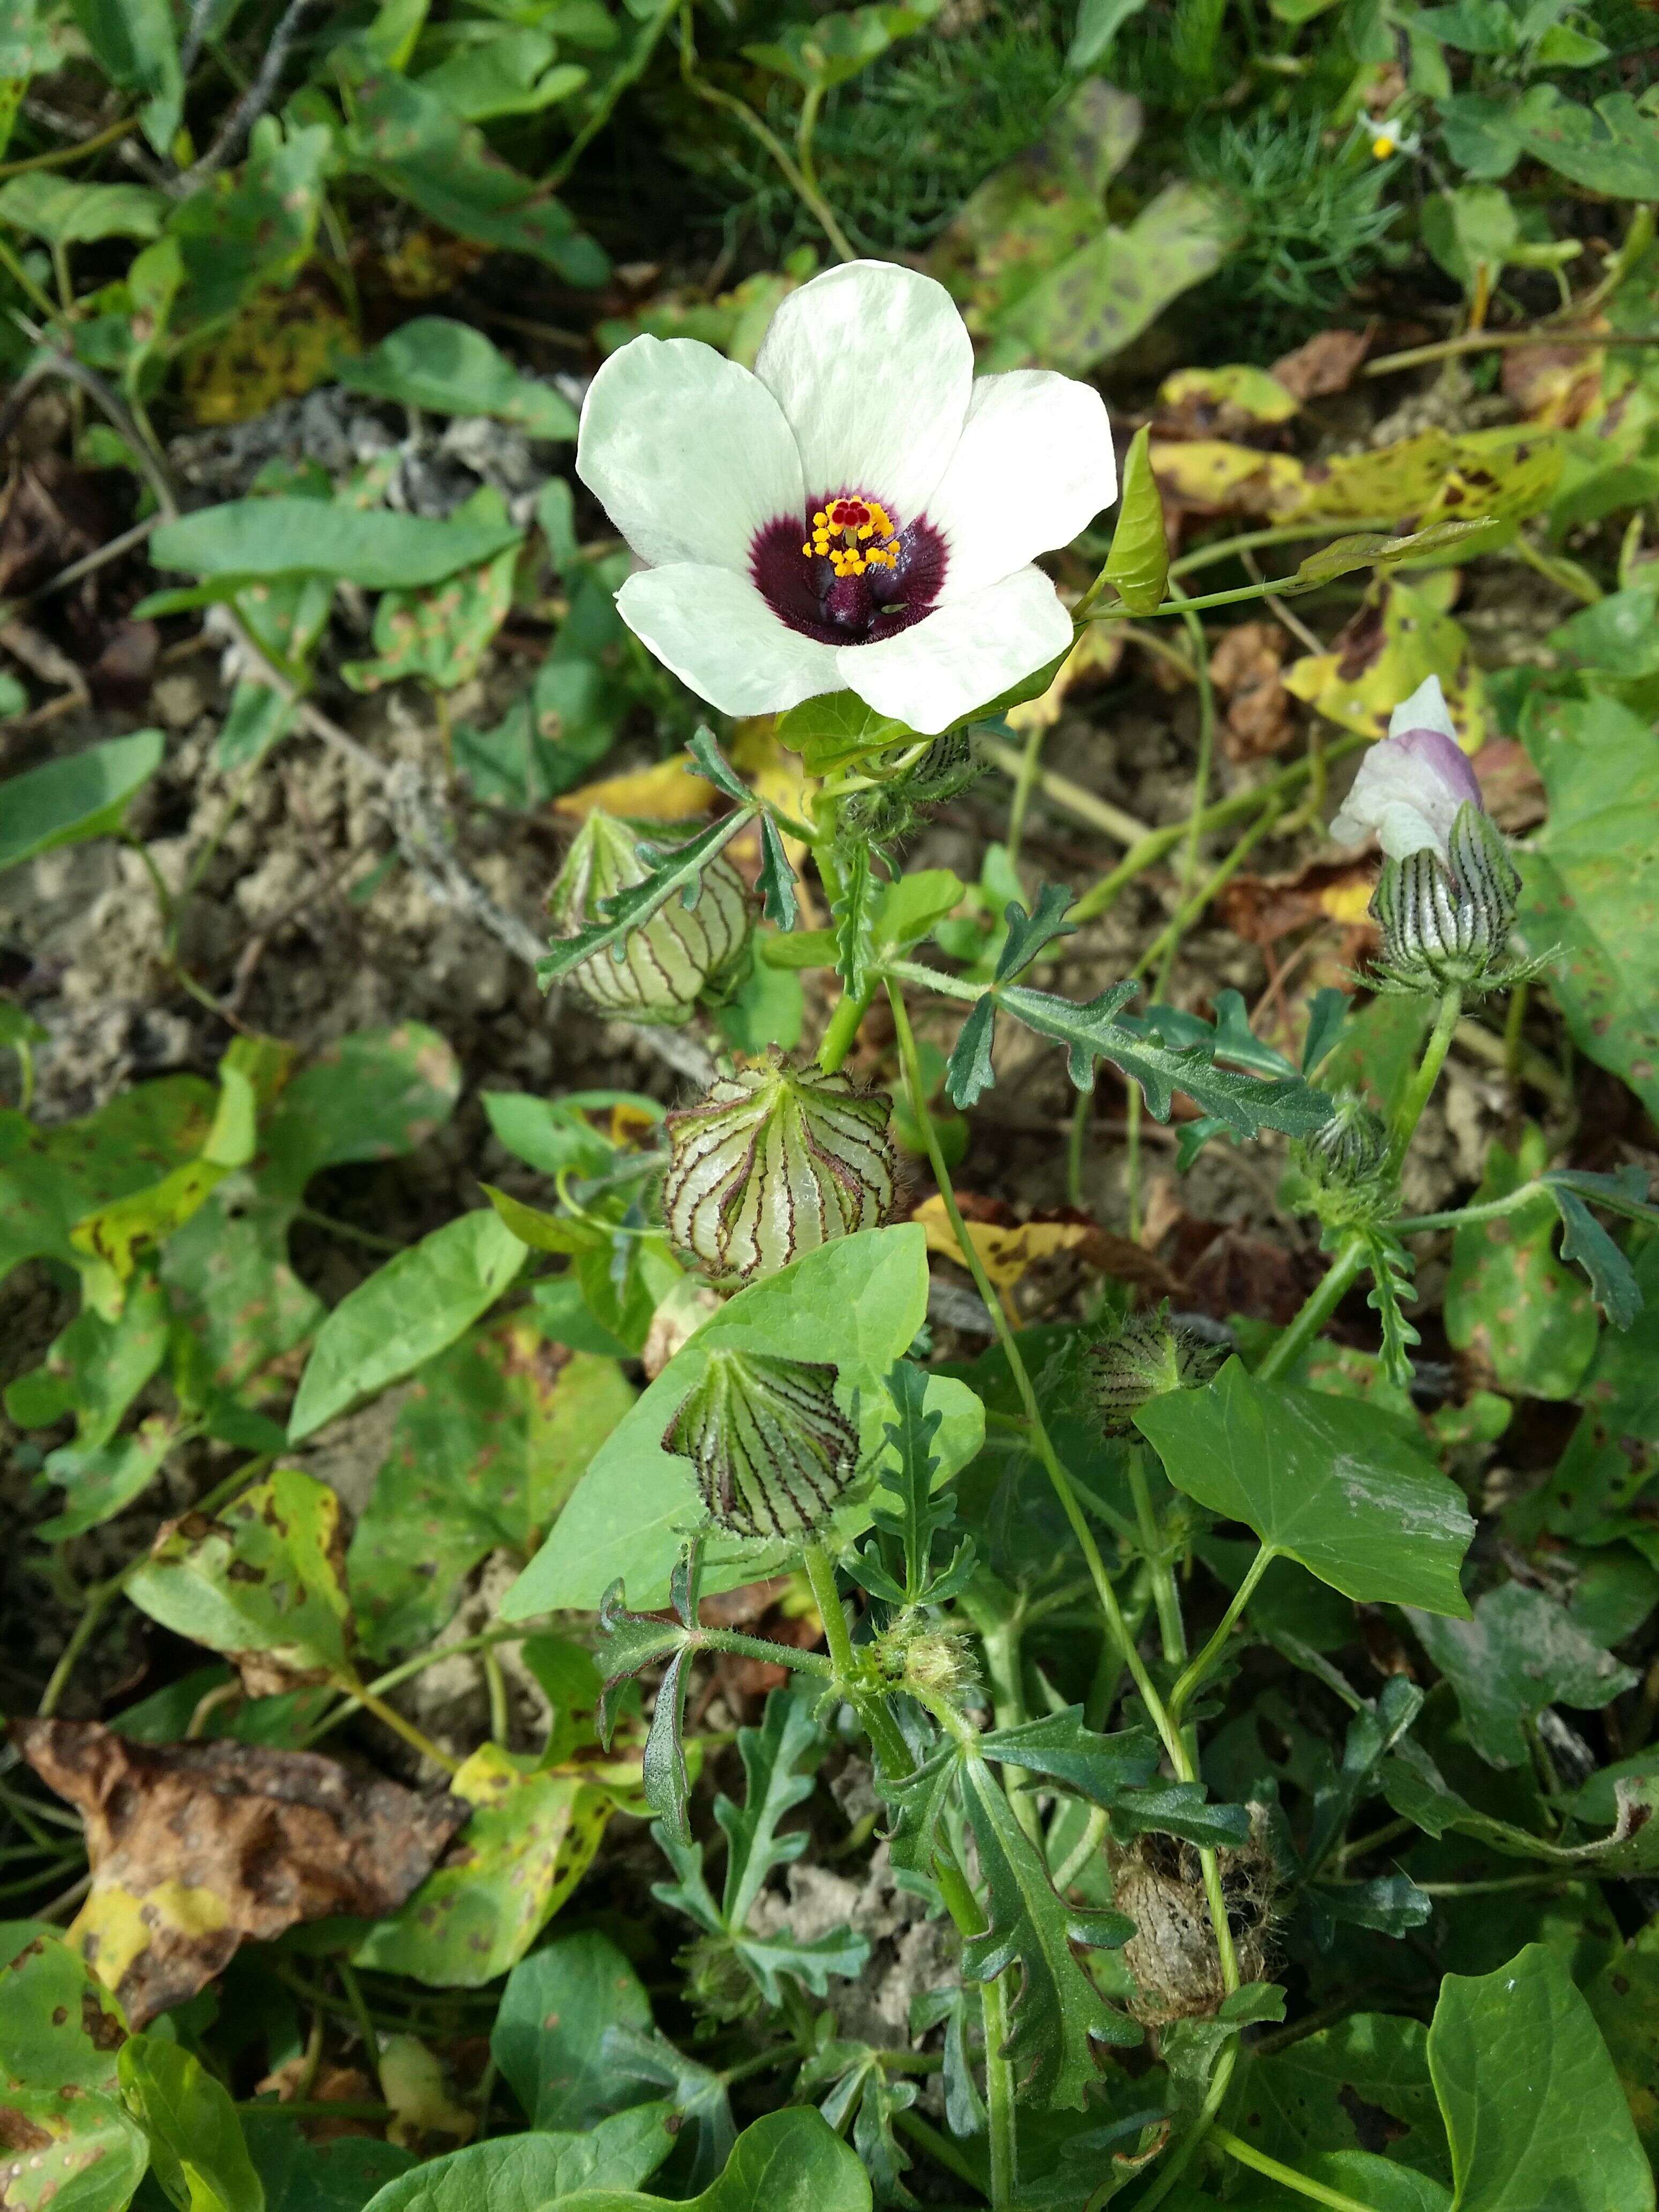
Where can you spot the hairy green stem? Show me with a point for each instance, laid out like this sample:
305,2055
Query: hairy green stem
1318,1308
1286,2176
1195,1675
1172,1629
1416,1096
1182,2156
843,1026
999,2095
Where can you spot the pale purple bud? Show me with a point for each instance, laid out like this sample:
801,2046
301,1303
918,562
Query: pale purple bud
1410,786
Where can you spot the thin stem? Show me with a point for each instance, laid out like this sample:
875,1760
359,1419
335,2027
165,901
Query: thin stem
1289,533
1194,1674
1181,2157
1286,2176
389,1717
761,1647
1317,1310
61,156
801,186
1099,813
1171,1627
631,70
1418,1092
1415,1224
940,2148
359,2004
1000,2094
1502,342
1031,761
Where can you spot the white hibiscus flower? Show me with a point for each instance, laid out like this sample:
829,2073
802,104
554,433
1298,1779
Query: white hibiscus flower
858,514
1410,786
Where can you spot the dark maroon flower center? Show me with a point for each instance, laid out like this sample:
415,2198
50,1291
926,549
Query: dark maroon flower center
847,573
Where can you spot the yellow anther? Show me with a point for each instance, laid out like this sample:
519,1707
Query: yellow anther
1382,147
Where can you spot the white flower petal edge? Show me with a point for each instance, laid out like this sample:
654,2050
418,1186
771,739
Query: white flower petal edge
1035,466
962,655
687,453
873,366
1426,709
718,634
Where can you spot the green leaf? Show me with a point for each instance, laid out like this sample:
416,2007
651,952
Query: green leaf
1609,1274
134,44
84,795
906,1508
857,1304
1058,2013
299,2175
241,236
79,2151
1098,22
248,539
1614,149
414,1306
676,868
96,1368
1104,1768
1029,933
854,912
912,906
1370,548
528,2173
508,75
264,1576
65,213
835,729
1518,1652
441,633
1508,1297
495,1435
196,2145
1624,1998
831,48
1330,1482
1590,883
1138,565
790,2161
372,1094
1364,2080
453,369
60,2026
530,1839
549,2033
662,1768
1532,2104
100,1480
412,142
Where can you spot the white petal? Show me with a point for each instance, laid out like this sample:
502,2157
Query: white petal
718,634
961,655
1402,799
872,366
688,453
1426,709
1035,466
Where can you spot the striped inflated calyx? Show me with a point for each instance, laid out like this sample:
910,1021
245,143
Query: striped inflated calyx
772,1449
1444,923
773,1164
657,972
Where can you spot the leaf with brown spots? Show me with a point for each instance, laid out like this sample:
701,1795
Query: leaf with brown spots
1323,365
195,1847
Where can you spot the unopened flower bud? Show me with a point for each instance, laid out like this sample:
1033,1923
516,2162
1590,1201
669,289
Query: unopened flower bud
656,973
773,1164
772,1449
1352,1145
1444,923
1147,1356
1411,786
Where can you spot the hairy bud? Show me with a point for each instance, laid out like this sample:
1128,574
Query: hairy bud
656,973
1147,1357
1351,1146
772,1449
1444,923
774,1163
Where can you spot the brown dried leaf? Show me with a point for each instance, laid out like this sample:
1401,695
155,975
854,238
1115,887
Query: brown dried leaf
1324,365
1009,1248
195,1847
1245,670
1263,909
1557,386
1509,784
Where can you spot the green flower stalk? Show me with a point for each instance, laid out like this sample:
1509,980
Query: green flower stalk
773,1164
656,974
774,1453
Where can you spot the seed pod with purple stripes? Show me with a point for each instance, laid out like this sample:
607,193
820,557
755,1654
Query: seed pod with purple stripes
1444,923
773,1451
773,1164
682,953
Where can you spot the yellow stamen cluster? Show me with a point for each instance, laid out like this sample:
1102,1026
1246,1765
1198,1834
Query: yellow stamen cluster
853,534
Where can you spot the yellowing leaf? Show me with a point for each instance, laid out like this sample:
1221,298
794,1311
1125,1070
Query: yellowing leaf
279,346
672,791
1007,1251
421,2107
1209,472
1377,663
1229,398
